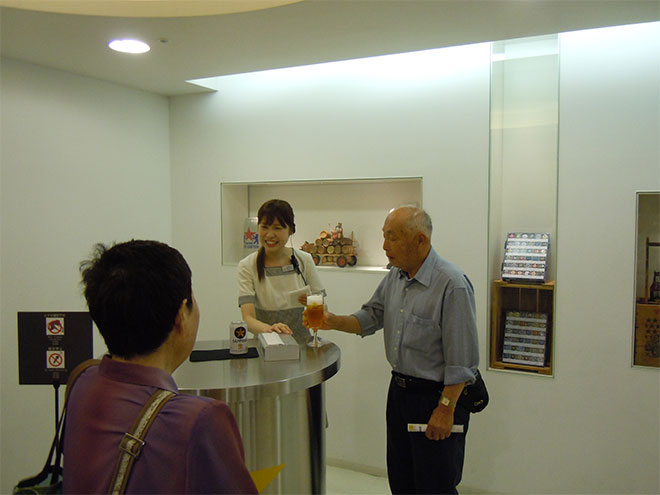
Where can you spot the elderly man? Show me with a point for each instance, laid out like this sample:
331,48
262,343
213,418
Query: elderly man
140,296
426,307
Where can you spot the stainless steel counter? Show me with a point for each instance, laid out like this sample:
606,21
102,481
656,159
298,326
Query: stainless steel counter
279,407
250,379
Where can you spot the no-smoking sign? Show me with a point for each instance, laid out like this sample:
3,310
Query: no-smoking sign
51,344
55,360
55,326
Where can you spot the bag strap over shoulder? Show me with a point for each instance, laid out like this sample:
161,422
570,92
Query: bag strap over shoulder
133,441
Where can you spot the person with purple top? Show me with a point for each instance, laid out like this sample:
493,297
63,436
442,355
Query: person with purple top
139,294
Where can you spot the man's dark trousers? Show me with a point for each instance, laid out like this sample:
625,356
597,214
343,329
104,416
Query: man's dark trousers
416,464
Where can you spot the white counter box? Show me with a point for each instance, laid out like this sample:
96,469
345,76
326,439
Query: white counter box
278,347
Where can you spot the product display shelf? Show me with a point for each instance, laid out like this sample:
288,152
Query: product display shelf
520,297
647,334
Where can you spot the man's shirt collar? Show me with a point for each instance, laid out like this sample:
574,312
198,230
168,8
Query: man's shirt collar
423,275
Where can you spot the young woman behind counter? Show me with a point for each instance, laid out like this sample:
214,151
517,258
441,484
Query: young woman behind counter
273,283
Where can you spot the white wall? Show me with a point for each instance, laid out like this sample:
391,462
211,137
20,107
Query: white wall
392,118
593,428
609,148
83,161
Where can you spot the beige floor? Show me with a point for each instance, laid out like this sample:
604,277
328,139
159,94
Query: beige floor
340,481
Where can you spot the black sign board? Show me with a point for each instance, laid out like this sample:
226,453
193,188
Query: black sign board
52,344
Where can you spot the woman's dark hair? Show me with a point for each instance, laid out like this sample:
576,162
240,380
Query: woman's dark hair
134,291
274,209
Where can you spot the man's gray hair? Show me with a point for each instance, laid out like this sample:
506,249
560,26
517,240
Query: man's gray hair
420,220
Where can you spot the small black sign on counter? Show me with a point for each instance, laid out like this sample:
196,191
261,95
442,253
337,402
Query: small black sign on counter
220,355
51,344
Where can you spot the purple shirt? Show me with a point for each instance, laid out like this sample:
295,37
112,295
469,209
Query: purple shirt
193,446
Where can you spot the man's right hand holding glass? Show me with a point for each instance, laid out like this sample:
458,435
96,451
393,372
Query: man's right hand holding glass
331,321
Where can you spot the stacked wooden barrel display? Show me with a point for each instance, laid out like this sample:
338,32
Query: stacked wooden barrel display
332,248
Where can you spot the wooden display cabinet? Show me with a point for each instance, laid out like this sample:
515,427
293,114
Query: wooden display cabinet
647,320
647,334
520,297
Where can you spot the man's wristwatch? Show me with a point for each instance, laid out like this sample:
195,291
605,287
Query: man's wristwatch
446,401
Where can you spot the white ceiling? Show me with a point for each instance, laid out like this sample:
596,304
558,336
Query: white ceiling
145,8
307,32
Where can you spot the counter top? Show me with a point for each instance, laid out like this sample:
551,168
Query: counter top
234,380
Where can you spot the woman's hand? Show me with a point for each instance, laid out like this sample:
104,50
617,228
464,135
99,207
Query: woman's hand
280,328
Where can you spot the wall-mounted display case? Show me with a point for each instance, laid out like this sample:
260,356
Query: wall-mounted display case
360,205
646,346
521,335
523,200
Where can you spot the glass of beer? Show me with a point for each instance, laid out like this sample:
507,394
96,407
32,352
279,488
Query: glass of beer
314,313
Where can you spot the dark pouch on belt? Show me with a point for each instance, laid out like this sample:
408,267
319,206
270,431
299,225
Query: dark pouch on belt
474,398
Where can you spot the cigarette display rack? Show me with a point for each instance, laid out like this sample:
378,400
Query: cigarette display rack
525,336
522,326
526,257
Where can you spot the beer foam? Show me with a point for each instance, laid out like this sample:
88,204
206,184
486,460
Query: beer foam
315,300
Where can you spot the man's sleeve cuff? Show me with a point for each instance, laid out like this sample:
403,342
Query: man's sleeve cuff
367,324
459,374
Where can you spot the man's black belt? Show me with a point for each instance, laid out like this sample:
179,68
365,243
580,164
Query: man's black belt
411,382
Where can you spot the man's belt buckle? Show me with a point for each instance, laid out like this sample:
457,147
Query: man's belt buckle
400,381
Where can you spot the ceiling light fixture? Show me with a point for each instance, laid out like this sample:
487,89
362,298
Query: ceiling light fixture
129,46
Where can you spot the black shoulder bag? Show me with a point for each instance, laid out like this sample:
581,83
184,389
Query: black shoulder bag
474,398
49,480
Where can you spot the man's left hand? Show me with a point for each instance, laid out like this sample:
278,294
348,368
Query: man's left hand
440,423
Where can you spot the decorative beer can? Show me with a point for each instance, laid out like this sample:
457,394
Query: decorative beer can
238,338
250,235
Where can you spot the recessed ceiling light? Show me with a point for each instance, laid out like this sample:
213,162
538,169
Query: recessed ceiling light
129,46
